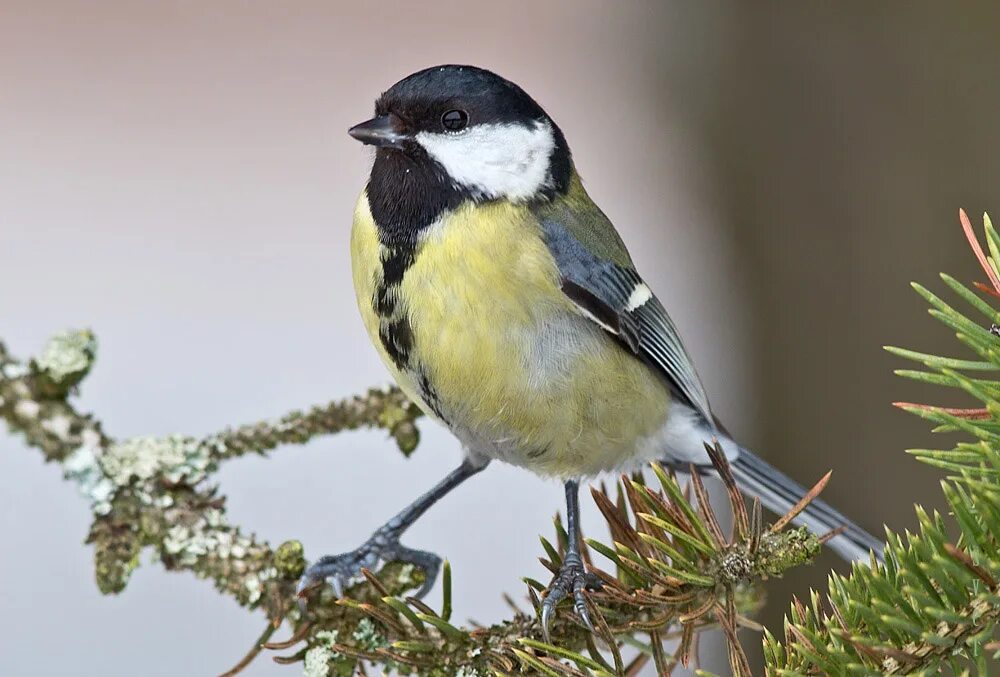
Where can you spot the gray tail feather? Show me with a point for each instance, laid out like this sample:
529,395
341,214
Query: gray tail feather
779,493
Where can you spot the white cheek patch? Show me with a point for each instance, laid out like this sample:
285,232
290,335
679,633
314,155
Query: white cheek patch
501,160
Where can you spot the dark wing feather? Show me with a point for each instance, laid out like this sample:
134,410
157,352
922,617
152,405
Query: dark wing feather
624,326
604,291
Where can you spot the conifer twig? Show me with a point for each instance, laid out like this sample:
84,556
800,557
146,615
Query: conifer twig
932,602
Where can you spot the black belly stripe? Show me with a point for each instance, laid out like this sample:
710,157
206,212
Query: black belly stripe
397,337
430,395
396,260
395,331
385,300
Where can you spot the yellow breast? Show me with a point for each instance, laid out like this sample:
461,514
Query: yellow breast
478,332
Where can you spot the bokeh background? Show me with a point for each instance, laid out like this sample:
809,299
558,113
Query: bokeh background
176,176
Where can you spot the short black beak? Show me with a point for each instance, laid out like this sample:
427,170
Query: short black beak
384,131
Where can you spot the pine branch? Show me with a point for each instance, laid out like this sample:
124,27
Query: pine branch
936,601
676,573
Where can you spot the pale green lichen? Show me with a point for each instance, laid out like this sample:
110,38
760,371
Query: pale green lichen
82,467
227,547
320,655
13,370
254,584
210,533
406,575
209,536
367,635
27,410
187,544
175,458
67,357
317,662
254,587
472,671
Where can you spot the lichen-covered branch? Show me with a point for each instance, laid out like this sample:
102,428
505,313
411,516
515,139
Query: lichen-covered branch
388,409
152,492
33,396
675,571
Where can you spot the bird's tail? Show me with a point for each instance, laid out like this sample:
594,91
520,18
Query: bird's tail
779,493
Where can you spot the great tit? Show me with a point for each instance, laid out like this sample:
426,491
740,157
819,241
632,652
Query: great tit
505,304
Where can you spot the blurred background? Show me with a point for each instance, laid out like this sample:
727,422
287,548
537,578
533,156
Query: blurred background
176,176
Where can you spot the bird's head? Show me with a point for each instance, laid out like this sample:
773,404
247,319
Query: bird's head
479,135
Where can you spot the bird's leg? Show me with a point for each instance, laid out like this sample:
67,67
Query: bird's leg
384,545
572,577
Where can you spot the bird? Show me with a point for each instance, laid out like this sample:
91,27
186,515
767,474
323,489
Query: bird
506,306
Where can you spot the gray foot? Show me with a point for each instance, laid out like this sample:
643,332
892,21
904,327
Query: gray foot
341,570
571,579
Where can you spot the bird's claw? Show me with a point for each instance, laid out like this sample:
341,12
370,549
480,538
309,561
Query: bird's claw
572,578
341,570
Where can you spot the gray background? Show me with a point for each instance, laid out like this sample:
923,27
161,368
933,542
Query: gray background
176,176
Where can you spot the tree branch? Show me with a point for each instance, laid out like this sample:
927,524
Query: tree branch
154,493
935,600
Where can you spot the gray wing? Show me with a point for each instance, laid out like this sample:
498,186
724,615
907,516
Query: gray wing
615,297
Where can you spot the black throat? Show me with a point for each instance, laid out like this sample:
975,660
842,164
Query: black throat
407,192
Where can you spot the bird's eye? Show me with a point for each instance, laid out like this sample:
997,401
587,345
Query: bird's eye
455,120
